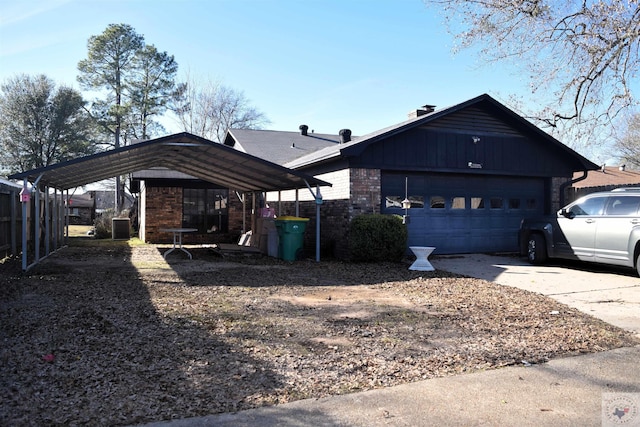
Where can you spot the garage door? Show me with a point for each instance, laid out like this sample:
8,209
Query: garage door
463,213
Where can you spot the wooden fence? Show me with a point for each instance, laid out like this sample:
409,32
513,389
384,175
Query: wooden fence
10,220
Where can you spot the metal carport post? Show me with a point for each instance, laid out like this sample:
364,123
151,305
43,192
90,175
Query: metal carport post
318,199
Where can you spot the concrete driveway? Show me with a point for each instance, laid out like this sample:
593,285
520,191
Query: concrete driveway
610,294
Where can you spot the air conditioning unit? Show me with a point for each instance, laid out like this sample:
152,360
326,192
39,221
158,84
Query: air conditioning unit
120,228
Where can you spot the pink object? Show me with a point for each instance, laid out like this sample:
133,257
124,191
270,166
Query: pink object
49,358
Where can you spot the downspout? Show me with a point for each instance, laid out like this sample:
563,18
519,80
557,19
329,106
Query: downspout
564,185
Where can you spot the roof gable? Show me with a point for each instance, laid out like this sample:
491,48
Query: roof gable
485,110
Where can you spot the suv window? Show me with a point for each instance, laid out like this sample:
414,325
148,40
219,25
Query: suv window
625,206
590,207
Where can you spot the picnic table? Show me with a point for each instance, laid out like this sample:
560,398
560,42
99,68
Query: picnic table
177,239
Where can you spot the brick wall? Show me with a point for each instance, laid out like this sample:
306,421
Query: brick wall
336,215
334,226
556,184
365,192
163,209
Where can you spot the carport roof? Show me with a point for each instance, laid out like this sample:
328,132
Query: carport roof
183,152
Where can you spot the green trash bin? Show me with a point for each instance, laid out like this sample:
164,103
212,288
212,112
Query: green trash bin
291,234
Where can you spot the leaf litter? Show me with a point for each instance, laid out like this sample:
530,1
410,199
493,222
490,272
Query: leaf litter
119,336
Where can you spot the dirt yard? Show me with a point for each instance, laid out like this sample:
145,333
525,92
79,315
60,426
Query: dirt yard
109,333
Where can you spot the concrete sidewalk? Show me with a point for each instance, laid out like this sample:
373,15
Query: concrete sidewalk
574,391
563,392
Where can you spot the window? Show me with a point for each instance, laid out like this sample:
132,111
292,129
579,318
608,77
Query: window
396,201
623,206
589,207
514,203
416,202
393,202
477,203
531,204
458,203
496,202
436,202
206,209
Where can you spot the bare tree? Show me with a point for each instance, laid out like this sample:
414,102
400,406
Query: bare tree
583,56
210,109
628,142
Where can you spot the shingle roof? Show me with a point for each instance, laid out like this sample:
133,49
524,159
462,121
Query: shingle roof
278,146
611,176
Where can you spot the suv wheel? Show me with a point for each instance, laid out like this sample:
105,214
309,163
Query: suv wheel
536,249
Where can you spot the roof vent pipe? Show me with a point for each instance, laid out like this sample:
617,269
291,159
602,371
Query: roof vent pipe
425,109
345,135
303,129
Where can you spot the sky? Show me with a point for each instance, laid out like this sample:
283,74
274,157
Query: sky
330,64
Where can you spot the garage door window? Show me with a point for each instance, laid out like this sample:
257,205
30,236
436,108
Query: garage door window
514,203
477,203
436,202
458,203
417,202
496,203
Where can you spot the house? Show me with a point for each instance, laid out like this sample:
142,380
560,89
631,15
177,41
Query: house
82,209
468,173
606,178
471,173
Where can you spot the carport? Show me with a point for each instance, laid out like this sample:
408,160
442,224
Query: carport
183,152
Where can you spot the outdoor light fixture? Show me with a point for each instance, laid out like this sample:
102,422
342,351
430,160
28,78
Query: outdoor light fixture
406,203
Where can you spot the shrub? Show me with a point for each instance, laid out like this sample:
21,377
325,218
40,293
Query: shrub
375,238
103,224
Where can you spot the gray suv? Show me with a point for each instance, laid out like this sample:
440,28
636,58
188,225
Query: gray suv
600,227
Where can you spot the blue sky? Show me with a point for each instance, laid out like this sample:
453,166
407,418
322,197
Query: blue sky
330,64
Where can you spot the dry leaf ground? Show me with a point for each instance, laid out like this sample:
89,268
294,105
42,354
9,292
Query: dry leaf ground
105,333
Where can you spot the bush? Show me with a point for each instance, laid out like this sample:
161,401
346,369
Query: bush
375,238
103,224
